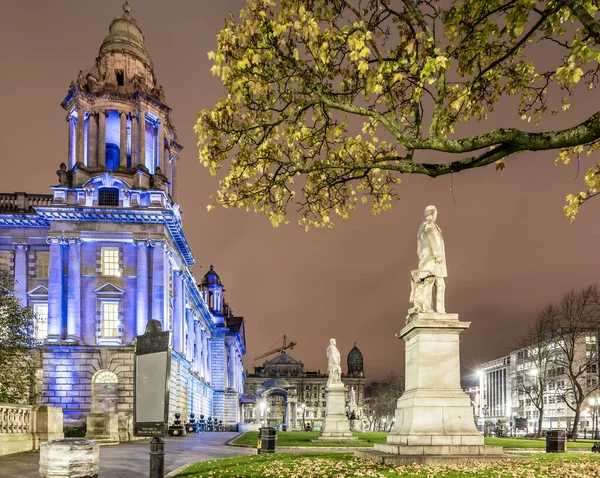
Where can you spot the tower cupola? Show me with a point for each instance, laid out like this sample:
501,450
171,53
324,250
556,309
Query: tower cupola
120,132
212,289
355,363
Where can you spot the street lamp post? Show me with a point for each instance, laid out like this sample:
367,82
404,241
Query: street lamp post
263,412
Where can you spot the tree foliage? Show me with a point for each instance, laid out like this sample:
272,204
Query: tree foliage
330,102
17,345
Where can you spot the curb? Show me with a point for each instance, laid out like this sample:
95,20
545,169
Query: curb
176,471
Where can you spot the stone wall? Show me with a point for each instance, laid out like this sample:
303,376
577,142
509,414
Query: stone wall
24,427
68,372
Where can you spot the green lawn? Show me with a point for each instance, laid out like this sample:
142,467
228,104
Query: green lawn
304,439
539,443
342,465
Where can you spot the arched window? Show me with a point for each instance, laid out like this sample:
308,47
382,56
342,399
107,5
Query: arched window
104,392
108,197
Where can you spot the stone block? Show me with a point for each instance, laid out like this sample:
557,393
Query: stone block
442,440
69,457
103,427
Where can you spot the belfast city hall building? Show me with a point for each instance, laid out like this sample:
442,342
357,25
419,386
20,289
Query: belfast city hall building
106,251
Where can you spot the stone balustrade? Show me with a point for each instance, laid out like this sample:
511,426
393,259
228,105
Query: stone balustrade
15,418
24,427
23,201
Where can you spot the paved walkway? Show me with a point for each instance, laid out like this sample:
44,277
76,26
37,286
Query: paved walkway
131,460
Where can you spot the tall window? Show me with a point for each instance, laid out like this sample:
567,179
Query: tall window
110,319
110,261
41,322
42,261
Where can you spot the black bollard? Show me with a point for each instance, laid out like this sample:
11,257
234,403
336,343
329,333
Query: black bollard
157,457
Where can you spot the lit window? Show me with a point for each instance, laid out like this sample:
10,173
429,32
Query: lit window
41,322
110,261
110,319
5,260
590,339
42,260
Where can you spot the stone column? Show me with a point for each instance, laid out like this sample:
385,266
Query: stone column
79,156
123,139
20,249
55,289
158,283
294,414
287,414
102,138
191,335
178,310
141,159
174,177
197,355
71,141
93,140
141,289
161,147
74,291
134,135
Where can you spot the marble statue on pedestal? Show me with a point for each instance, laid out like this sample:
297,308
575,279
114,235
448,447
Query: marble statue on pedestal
432,268
434,421
334,369
336,426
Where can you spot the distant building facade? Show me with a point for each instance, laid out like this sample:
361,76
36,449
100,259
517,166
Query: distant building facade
106,252
281,393
503,406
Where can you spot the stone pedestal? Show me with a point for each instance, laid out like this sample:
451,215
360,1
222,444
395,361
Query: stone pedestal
103,428
434,416
69,457
336,426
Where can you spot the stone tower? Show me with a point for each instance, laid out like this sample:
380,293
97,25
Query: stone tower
118,120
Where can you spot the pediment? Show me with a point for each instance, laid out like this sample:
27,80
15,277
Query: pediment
283,358
39,291
109,289
107,180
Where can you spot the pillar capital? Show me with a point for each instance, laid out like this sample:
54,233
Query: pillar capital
55,240
20,245
72,240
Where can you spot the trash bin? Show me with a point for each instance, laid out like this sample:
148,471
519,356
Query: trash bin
555,441
267,440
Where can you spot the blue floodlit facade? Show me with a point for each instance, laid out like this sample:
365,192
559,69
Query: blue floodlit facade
106,251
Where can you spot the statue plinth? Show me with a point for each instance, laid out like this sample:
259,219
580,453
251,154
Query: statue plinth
434,416
336,426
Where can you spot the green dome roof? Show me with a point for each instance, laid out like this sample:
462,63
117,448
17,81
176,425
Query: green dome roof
355,357
276,383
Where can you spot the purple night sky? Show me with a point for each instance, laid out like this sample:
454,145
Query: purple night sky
510,250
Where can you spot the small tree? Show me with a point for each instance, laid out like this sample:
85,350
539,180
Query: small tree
576,318
17,345
381,399
533,372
